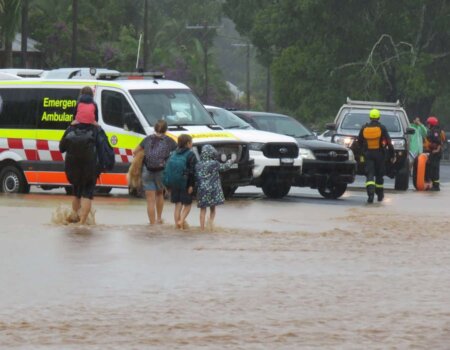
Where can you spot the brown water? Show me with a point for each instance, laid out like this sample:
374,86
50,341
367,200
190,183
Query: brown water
301,273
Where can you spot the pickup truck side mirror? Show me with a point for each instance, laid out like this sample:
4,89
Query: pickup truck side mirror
410,131
331,126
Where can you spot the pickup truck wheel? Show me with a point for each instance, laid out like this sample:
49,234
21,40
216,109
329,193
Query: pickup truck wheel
402,178
333,191
276,190
12,180
228,191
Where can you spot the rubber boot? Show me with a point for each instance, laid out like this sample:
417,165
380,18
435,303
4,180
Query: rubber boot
380,194
436,186
370,193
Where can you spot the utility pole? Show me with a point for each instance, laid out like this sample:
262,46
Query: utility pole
268,95
24,40
74,32
247,93
145,49
205,29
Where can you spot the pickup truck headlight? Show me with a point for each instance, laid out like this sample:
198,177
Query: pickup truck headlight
306,153
351,155
399,144
346,141
256,146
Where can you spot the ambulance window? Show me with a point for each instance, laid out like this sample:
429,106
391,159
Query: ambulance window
18,108
116,111
56,108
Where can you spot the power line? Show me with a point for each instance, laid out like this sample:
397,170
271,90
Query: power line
205,27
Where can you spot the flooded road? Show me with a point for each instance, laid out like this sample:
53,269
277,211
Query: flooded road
298,273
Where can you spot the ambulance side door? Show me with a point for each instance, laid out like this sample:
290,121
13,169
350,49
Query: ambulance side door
122,126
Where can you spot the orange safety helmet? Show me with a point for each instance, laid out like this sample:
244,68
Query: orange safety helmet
432,121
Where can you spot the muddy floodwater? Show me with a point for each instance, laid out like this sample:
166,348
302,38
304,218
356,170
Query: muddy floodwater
297,273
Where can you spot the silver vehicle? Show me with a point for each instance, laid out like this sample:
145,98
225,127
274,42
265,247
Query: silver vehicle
353,115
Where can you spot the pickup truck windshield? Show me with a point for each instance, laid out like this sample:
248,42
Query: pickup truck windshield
176,107
356,120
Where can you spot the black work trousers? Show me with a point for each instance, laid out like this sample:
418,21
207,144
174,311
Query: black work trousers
433,165
375,170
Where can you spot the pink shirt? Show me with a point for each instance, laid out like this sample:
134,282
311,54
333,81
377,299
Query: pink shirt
85,113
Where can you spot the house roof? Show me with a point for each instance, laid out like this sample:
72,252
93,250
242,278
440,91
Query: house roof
31,44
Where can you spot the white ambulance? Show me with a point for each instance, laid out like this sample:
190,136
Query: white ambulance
35,112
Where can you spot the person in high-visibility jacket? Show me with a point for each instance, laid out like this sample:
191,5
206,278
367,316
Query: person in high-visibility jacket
375,141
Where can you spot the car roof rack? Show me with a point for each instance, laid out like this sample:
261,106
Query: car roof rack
373,103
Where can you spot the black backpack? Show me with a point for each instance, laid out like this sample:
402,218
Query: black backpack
80,141
105,153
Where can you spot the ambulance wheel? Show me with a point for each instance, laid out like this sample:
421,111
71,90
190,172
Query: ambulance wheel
12,180
276,190
333,191
103,190
134,192
69,190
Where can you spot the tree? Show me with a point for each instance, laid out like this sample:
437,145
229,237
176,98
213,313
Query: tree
323,51
24,40
9,22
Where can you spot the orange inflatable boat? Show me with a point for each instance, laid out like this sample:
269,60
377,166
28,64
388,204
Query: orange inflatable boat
419,172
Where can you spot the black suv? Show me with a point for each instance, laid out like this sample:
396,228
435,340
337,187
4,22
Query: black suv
353,115
326,166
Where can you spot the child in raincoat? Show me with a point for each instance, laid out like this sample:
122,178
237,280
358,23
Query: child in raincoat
209,189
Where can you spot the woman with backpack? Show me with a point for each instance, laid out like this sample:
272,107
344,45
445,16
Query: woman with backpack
157,148
80,165
88,153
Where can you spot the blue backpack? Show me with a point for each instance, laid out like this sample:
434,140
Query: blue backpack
106,157
175,173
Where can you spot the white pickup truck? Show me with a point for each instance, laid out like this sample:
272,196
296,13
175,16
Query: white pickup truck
277,159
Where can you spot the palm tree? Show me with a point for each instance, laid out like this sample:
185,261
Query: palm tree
9,19
24,40
74,32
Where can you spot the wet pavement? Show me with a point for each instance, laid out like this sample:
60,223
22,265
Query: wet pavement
298,273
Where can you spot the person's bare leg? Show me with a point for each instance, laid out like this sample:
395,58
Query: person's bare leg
76,204
177,214
202,218
212,215
159,206
85,209
184,214
74,215
151,202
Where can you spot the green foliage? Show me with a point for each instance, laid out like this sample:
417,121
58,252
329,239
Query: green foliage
324,50
109,31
